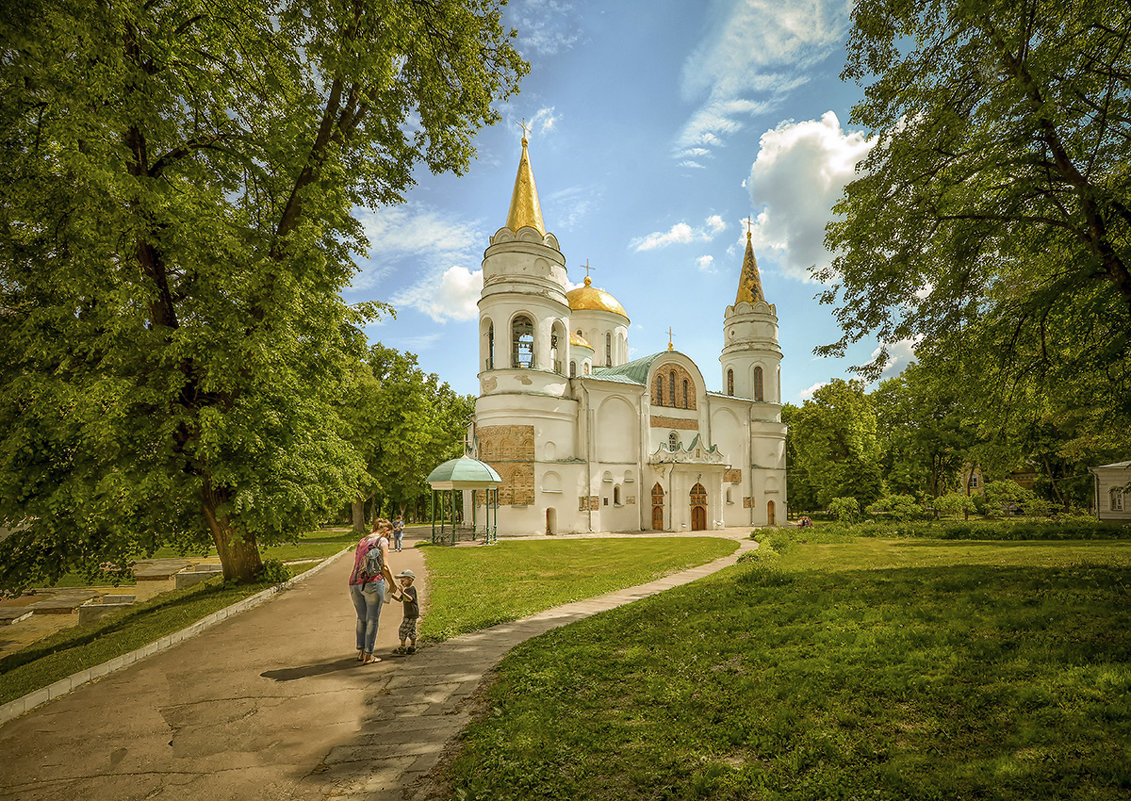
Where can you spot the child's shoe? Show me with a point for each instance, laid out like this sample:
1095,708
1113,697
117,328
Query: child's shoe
410,650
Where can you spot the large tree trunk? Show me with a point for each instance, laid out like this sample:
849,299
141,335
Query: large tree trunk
358,509
239,557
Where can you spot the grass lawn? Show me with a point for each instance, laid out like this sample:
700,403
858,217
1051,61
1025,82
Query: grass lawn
80,647
473,588
860,669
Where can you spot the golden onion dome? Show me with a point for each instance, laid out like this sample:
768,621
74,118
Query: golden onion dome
578,341
589,297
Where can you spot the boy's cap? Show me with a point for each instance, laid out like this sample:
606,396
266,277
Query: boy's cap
406,574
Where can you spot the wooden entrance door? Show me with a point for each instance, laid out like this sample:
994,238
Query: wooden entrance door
658,507
769,513
698,498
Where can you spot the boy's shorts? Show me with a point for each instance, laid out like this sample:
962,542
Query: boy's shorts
408,629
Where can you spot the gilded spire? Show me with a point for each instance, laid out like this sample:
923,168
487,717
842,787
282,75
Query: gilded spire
749,283
525,209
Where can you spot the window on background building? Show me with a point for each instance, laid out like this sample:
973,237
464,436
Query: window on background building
659,390
608,350
573,369
1116,499
758,384
671,386
522,342
685,406
730,382
973,483
673,441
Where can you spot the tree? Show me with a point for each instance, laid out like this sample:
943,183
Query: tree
403,422
177,219
845,509
834,441
954,504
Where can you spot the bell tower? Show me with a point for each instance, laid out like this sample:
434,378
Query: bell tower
751,358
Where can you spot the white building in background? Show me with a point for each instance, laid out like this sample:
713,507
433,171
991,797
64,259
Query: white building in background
1113,496
586,440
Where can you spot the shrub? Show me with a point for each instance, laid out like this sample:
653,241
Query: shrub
844,509
273,572
1004,497
954,504
896,507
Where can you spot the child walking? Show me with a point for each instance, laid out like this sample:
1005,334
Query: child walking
407,595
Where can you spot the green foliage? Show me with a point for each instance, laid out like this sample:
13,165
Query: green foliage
846,510
897,507
839,671
273,572
1068,528
404,423
833,446
473,588
178,217
954,504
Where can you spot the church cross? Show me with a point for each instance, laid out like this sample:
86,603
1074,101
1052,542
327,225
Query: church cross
748,225
670,346
588,268
523,126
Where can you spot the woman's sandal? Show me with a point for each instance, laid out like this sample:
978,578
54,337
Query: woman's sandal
370,659
360,654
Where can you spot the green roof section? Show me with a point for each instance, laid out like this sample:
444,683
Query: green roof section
635,371
464,473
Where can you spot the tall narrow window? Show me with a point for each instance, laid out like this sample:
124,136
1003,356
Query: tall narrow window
608,350
673,441
491,346
1117,499
758,384
730,382
554,360
659,390
685,394
671,386
522,342
573,369
616,495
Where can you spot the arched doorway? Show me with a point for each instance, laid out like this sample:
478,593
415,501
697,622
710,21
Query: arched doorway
658,507
551,520
698,498
769,513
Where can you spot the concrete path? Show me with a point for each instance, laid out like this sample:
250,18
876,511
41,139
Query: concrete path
272,704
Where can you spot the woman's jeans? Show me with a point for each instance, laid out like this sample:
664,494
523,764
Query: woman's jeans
367,599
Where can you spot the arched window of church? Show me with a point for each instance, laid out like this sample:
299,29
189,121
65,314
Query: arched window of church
587,368
685,394
491,347
522,341
673,441
616,495
730,382
659,390
758,383
608,350
573,369
671,386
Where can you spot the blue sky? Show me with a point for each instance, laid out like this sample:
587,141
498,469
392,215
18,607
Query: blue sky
656,129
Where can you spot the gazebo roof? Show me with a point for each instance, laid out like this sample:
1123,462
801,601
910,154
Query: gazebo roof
464,473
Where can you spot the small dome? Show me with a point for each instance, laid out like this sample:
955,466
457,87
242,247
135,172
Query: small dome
578,341
463,473
589,297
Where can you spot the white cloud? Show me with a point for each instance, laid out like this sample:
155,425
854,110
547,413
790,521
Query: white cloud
705,264
755,53
545,27
680,234
571,206
798,175
452,295
900,354
412,232
807,393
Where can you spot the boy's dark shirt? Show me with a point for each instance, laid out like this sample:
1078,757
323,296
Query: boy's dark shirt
411,606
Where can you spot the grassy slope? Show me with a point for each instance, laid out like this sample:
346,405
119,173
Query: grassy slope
472,588
868,670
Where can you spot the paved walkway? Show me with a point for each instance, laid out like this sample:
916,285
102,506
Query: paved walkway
271,704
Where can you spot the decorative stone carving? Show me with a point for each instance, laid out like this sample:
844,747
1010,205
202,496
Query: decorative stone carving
732,477
510,450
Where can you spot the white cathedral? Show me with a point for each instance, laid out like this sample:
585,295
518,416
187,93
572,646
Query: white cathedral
586,440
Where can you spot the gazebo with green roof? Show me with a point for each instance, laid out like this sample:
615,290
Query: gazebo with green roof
457,475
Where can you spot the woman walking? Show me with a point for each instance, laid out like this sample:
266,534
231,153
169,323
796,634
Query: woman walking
367,586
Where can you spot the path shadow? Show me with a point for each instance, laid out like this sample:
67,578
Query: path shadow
308,671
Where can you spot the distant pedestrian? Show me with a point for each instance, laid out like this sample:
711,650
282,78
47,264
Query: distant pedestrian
407,595
398,533
368,584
